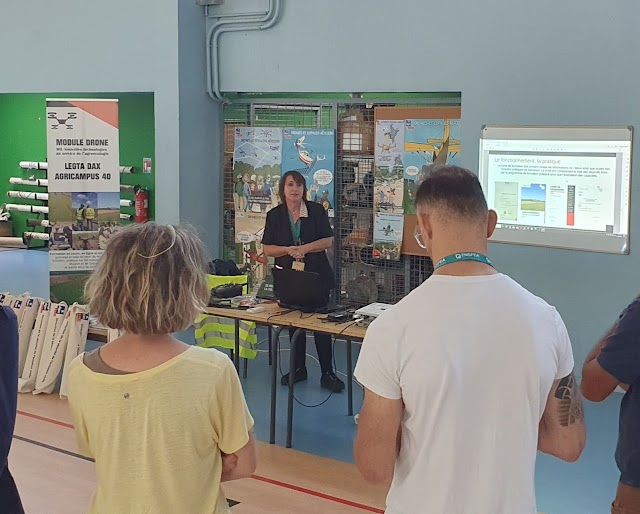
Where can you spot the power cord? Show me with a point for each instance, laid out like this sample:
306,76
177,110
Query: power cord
316,360
294,394
280,313
280,350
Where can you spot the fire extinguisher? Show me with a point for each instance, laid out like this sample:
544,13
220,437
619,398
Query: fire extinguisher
142,205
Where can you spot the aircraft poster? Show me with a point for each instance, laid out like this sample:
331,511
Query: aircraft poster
427,141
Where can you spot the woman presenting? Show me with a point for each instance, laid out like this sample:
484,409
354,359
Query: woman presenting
297,233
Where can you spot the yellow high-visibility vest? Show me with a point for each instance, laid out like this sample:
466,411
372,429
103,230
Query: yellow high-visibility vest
90,213
214,331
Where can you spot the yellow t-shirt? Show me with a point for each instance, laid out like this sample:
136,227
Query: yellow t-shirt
156,435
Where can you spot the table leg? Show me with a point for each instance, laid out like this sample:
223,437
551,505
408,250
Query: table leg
349,379
274,383
292,370
236,354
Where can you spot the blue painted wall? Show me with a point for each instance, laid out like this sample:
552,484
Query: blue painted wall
542,62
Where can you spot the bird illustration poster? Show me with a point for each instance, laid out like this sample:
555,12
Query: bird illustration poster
387,236
388,188
312,153
427,141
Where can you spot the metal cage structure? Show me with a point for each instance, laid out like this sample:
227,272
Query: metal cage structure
361,278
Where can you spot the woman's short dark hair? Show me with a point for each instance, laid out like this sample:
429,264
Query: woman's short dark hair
299,179
453,189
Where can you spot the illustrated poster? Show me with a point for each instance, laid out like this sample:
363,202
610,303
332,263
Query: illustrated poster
388,189
312,153
257,168
84,189
387,236
427,141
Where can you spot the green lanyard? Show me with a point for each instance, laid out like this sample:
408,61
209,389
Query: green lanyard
462,256
295,229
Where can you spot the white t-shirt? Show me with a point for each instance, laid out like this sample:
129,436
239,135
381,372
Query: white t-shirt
473,359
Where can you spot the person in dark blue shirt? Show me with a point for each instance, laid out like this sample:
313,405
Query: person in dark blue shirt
615,361
9,498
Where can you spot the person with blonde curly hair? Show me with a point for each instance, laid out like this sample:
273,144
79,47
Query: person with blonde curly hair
165,422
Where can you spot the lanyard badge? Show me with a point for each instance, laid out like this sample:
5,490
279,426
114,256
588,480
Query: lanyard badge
462,256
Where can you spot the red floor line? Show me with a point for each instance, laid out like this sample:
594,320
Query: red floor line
47,420
317,494
255,477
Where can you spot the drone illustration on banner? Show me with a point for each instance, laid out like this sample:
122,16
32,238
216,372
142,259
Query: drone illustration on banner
62,121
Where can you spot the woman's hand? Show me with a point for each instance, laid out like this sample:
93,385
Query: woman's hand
297,252
229,463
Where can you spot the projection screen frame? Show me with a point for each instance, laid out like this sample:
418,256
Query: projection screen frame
556,237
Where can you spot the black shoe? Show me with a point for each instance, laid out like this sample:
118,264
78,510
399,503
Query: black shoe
331,382
300,375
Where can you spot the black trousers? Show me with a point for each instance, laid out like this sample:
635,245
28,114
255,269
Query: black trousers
323,347
9,498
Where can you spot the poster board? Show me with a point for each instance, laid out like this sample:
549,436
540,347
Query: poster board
440,148
83,154
261,155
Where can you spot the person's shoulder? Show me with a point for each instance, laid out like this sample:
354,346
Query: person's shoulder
207,357
276,211
7,313
314,208
632,310
395,318
521,291
531,299
77,374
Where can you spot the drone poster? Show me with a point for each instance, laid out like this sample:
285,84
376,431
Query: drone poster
312,153
82,145
84,189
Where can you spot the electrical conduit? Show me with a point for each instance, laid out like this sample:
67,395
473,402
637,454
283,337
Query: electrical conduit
233,25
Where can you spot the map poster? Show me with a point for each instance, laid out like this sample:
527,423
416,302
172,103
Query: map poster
312,152
427,141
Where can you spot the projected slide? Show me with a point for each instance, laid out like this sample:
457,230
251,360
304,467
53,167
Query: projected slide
565,187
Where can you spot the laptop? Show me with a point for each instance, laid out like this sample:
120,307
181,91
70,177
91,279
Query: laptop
299,290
